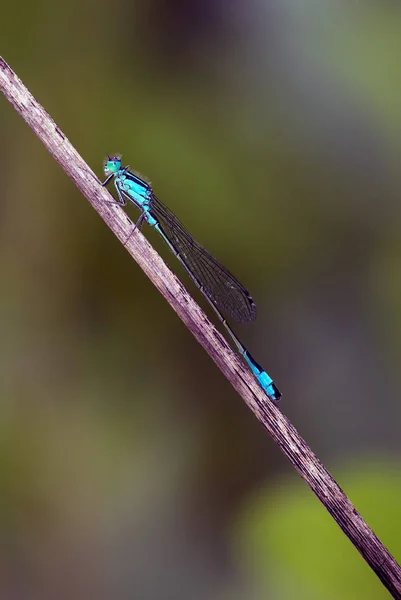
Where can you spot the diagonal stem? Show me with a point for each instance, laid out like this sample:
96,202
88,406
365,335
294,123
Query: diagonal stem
280,429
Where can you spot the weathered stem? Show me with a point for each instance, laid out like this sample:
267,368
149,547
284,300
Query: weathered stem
278,426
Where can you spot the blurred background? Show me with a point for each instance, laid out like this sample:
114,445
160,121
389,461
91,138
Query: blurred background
129,467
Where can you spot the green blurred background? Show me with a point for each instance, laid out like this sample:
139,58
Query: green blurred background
129,467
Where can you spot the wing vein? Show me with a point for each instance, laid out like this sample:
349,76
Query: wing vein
222,288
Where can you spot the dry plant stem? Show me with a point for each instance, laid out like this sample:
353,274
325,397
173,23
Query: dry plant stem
280,429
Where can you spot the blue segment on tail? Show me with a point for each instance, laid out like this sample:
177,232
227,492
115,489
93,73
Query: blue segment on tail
264,379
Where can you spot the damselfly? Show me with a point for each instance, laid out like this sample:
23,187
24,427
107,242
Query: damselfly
221,289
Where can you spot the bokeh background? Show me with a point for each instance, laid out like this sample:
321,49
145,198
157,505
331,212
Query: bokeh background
129,468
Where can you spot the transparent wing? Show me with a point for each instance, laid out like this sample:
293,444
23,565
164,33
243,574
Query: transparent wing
220,286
